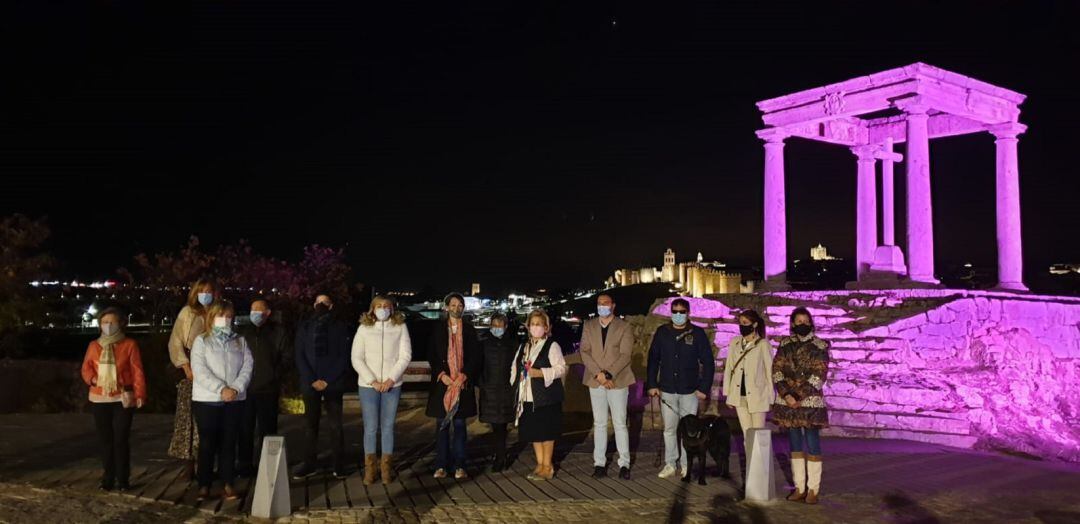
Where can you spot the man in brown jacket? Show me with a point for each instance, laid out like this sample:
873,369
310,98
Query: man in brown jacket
607,343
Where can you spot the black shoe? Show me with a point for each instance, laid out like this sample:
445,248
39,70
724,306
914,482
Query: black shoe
105,486
498,465
303,471
624,473
599,472
123,487
340,474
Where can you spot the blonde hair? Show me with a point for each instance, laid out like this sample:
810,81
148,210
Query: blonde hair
369,318
542,315
193,295
221,307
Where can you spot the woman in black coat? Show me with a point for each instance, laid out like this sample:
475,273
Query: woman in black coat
454,355
496,393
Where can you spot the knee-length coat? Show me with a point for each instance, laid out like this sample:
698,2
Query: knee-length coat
800,369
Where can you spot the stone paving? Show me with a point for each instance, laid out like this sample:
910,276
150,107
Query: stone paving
51,459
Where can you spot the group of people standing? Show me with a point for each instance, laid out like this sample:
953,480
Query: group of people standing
228,394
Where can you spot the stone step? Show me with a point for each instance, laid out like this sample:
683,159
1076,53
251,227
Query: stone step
918,395
945,439
871,367
899,421
854,403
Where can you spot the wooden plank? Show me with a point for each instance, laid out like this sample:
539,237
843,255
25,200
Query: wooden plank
453,489
581,472
397,494
432,487
336,494
574,480
491,489
473,491
158,480
409,479
518,471
317,491
357,492
511,477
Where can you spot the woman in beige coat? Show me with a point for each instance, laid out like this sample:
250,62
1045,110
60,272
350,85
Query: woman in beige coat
748,372
190,323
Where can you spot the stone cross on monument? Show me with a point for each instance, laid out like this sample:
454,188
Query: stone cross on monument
868,114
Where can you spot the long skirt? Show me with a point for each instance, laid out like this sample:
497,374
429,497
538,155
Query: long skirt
185,439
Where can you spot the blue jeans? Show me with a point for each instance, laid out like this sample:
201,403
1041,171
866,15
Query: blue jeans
614,401
811,437
379,411
445,458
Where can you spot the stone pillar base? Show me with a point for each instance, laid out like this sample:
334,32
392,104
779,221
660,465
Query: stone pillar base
889,259
1014,287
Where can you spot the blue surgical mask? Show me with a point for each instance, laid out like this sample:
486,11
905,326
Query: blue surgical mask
678,318
257,317
604,311
206,298
498,332
382,313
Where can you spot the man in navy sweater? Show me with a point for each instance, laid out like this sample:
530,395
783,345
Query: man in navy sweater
680,372
322,359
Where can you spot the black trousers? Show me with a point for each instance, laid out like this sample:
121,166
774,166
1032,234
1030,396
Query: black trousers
259,420
113,423
314,401
499,433
218,429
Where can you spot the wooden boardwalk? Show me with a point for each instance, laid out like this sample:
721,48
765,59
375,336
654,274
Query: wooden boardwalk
57,451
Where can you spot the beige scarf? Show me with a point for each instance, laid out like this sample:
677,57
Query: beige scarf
106,368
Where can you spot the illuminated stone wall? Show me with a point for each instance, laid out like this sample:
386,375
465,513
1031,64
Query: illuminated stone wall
960,368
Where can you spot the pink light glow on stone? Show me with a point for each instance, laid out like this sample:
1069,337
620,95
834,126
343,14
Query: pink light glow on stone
981,369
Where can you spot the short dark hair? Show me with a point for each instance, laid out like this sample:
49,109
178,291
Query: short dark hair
605,295
499,316
680,302
802,311
754,318
120,315
446,300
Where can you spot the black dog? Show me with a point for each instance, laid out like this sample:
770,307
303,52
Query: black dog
701,435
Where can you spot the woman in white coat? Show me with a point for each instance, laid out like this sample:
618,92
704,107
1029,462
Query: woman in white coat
748,383
381,353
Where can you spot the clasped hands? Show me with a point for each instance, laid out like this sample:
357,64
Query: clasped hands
228,394
448,382
383,386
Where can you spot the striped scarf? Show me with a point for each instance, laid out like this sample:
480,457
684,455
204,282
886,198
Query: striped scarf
454,360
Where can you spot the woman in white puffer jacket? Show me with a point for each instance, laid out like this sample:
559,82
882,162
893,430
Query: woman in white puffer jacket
381,353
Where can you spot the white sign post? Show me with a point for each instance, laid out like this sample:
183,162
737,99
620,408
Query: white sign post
271,498
760,484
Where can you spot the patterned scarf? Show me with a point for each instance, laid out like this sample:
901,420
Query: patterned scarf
106,368
454,359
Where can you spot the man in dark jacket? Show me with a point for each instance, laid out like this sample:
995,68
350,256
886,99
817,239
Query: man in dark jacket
322,359
680,372
268,343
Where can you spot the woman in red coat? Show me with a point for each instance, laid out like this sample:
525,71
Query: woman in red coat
113,369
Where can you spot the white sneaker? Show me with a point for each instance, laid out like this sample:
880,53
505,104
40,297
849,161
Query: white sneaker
668,471
684,472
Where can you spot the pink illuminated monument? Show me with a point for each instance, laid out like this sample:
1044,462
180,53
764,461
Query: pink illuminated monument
869,114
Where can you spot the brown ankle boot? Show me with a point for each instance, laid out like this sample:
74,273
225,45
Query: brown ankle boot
811,497
371,469
796,495
387,468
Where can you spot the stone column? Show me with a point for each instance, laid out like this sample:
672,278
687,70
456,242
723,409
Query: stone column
920,215
775,210
887,200
865,210
1010,253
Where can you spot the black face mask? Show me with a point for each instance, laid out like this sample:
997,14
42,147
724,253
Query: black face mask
322,309
802,330
745,330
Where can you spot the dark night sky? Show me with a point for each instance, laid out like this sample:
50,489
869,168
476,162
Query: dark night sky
527,144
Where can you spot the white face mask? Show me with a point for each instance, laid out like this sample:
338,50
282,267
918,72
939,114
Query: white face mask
109,329
537,331
382,313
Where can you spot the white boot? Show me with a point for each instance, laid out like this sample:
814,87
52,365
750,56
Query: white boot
813,480
798,474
